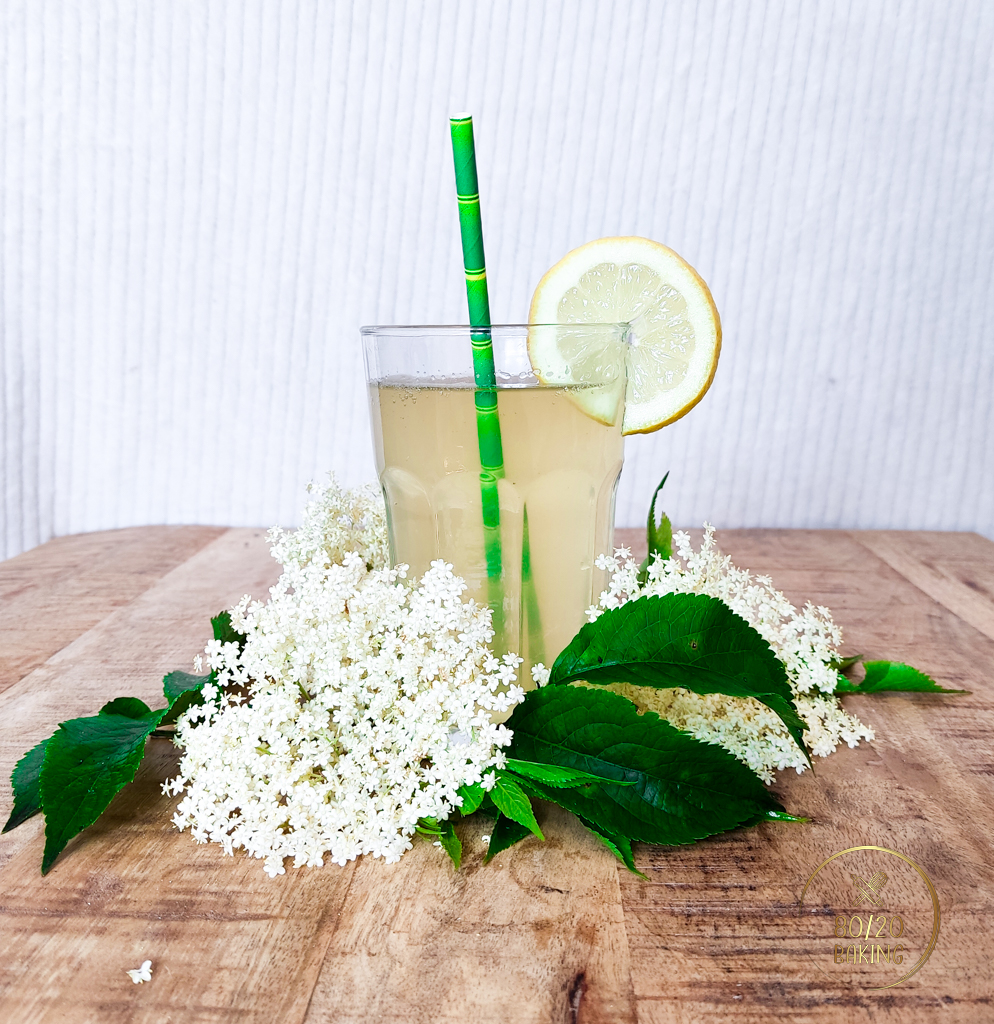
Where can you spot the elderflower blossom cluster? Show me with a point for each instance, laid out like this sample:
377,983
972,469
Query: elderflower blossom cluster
336,521
805,641
358,704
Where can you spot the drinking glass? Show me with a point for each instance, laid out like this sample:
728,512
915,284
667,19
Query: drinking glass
560,402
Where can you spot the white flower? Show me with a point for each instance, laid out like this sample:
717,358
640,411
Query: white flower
540,674
141,974
805,641
368,706
337,522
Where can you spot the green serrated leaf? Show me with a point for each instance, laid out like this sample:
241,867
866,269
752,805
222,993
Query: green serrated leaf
890,676
554,775
129,707
472,797
506,833
684,789
182,690
488,807
25,780
688,640
87,761
513,803
618,845
844,664
659,539
450,843
175,684
225,632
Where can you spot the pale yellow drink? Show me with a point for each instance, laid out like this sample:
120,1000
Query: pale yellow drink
561,468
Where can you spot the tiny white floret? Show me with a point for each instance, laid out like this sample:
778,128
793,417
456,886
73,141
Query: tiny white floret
540,674
141,974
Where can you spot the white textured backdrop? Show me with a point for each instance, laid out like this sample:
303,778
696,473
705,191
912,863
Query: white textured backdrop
203,200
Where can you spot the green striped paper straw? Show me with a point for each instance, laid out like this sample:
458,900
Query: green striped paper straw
487,420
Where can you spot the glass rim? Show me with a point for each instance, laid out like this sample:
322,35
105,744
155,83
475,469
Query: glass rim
375,329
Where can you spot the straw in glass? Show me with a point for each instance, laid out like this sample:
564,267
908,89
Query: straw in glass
487,419
484,372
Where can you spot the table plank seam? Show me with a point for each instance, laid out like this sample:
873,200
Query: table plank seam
966,604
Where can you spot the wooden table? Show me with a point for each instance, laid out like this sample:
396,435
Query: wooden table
552,932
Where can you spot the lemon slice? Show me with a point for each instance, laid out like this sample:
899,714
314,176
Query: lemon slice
675,332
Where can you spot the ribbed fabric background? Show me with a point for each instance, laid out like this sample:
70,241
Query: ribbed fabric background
204,199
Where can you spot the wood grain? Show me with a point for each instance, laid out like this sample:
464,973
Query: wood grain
537,935
129,650
546,932
953,569
226,942
54,593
